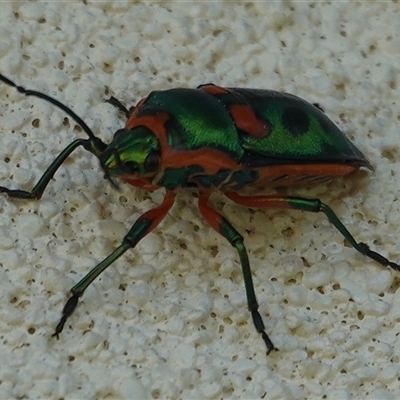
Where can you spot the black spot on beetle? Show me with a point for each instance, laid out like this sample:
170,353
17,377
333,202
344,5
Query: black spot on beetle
295,121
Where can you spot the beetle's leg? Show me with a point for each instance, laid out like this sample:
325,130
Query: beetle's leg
39,188
116,103
128,112
222,226
143,226
313,205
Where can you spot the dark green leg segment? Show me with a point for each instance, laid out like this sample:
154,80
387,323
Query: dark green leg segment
39,188
143,226
222,226
315,205
312,205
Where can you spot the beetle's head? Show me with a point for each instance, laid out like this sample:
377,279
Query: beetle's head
132,153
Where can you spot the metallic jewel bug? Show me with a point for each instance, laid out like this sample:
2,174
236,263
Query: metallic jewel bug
214,139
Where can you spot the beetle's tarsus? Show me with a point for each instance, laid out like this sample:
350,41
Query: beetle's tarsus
394,266
59,328
379,258
67,311
269,344
18,194
116,103
260,327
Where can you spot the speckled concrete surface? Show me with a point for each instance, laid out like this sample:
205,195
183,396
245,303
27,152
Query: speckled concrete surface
169,319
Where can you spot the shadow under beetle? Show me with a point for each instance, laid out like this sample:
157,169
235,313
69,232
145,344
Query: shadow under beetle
214,138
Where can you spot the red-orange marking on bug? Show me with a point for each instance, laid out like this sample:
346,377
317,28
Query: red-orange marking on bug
213,90
246,120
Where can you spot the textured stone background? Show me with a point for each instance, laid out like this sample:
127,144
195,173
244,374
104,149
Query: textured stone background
169,319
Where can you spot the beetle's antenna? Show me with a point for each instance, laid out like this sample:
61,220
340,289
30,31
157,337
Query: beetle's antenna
96,141
53,101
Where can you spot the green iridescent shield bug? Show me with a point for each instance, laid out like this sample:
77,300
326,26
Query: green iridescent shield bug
214,139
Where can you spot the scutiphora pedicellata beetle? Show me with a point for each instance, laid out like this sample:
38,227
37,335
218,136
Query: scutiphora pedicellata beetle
214,138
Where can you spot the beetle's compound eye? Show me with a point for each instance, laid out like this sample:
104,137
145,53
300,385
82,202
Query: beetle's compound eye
130,167
152,162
